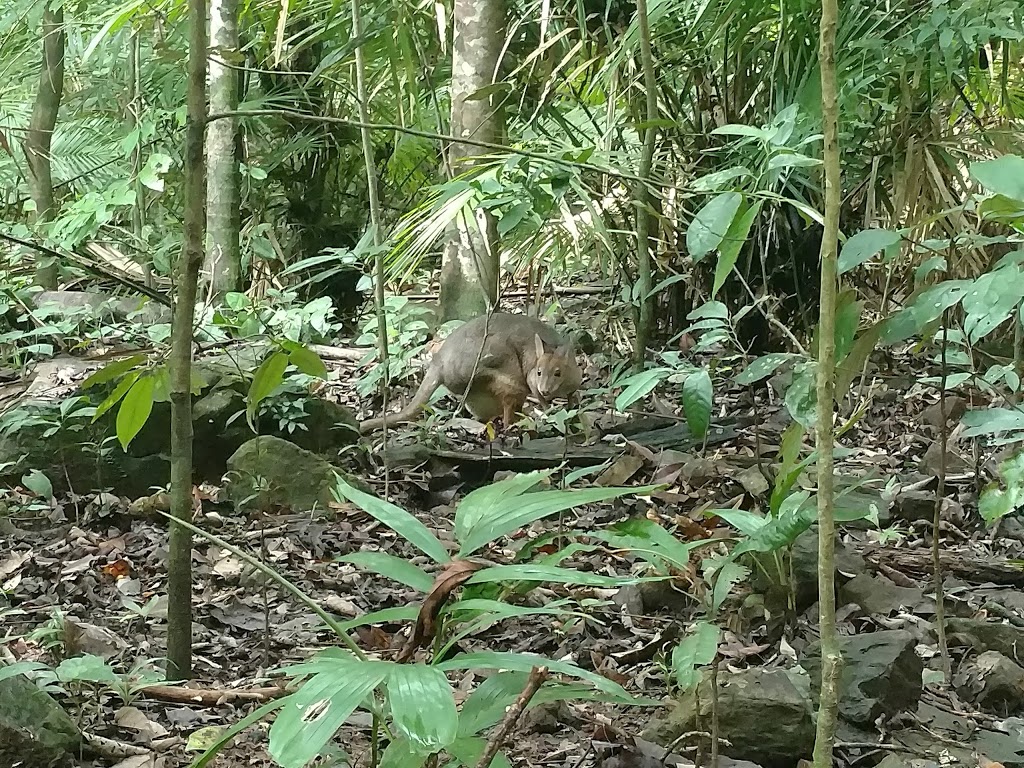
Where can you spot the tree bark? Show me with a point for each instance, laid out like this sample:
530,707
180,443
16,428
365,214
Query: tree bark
644,282
831,659
469,271
39,137
179,557
223,269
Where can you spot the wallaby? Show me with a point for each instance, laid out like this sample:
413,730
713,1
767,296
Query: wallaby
520,356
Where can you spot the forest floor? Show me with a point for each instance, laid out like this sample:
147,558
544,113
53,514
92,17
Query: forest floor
79,559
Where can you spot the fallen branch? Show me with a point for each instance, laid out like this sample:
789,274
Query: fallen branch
968,567
533,683
211,697
111,749
339,353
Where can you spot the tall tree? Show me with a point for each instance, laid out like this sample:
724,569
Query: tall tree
469,271
39,136
831,659
186,278
223,218
645,317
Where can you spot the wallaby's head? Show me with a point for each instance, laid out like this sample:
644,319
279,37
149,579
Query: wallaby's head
555,372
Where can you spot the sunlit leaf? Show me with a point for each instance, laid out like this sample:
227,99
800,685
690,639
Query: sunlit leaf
423,706
711,224
134,411
697,396
696,650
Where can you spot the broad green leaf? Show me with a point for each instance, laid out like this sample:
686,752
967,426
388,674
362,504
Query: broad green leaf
988,421
925,308
639,385
851,366
266,379
305,359
511,513
709,309
697,649
1003,175
392,567
402,753
738,129
792,160
467,752
312,714
395,518
92,669
747,523
134,410
119,391
711,224
423,706
847,321
996,502
649,540
552,573
993,299
864,245
795,517
712,182
113,370
496,610
480,503
525,662
929,265
801,396
20,668
726,575
729,249
697,396
400,613
763,367
38,483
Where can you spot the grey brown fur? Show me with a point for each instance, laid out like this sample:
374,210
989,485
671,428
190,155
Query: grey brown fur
521,357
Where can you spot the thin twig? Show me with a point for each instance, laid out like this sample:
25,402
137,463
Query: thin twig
940,493
533,683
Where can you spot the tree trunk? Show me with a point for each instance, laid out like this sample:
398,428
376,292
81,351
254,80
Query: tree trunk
39,136
223,219
831,660
469,271
179,556
644,280
133,113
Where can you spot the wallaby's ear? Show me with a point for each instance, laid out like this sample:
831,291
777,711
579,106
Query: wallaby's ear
539,345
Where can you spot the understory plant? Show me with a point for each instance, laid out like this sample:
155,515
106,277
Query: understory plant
412,703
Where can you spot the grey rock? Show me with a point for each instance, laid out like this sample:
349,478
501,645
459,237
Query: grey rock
877,595
34,730
986,636
881,675
267,472
993,682
747,701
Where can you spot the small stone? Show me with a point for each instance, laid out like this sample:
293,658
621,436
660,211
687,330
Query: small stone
878,596
955,407
916,506
986,636
753,481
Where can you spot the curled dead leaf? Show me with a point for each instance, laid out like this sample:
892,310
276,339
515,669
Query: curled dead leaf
451,578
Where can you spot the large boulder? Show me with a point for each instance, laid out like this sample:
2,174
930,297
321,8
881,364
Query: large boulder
268,472
34,730
747,701
881,675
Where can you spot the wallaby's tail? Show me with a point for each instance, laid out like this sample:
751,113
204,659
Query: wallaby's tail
431,381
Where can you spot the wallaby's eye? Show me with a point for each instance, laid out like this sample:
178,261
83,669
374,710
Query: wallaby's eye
540,371
558,373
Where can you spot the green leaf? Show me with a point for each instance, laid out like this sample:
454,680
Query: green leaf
512,511
113,370
38,483
711,224
846,323
801,396
266,379
995,502
391,567
305,359
92,669
423,706
792,160
312,714
119,391
651,541
639,385
467,752
399,613
747,523
20,668
729,249
525,662
994,298
989,421
864,245
401,753
698,649
697,396
926,307
726,575
712,182
763,367
134,410
395,518
795,517
737,129
552,573
1003,175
